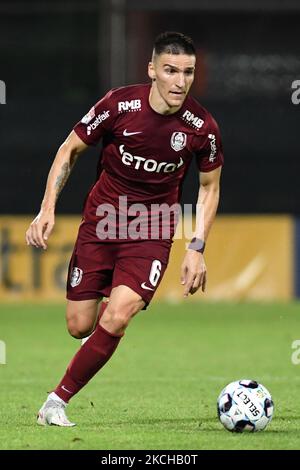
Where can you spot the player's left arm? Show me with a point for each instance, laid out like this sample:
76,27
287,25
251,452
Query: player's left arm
193,269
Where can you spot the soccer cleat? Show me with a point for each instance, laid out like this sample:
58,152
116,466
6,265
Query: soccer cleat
53,413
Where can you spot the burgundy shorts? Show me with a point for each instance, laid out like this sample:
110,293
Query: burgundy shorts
97,267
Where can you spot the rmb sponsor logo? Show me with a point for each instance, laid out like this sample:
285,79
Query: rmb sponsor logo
148,164
133,105
213,147
192,120
100,118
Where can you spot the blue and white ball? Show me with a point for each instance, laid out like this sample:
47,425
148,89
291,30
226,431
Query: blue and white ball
245,405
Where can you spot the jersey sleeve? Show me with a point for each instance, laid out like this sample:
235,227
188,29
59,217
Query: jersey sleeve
97,121
209,153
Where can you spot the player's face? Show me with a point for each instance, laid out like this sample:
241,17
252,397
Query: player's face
172,75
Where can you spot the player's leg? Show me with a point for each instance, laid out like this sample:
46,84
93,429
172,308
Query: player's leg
86,283
101,310
135,280
84,290
81,317
129,295
134,283
92,355
124,304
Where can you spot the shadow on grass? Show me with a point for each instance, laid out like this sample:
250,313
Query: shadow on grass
283,426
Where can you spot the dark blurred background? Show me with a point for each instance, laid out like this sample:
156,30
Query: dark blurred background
58,58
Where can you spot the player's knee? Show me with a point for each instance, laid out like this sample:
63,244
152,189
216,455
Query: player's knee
118,318
120,314
77,329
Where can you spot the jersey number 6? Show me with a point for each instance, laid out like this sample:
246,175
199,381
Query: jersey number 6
155,272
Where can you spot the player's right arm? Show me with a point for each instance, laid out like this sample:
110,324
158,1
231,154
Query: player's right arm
42,226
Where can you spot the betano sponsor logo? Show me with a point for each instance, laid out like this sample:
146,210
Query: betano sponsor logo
193,120
100,118
148,164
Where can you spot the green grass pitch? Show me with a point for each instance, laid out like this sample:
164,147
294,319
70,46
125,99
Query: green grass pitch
159,390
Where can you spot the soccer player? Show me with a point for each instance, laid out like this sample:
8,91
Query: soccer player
150,133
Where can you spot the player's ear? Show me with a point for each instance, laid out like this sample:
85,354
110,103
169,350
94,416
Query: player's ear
151,71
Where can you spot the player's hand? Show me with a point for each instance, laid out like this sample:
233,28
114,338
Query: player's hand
193,272
40,229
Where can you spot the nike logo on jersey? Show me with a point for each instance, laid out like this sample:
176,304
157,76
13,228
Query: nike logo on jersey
146,287
126,134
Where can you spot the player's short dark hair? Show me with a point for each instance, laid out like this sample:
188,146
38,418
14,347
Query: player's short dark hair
172,42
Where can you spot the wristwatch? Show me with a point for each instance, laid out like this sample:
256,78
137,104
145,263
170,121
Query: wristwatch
197,244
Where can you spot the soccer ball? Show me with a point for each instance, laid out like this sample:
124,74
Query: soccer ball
245,405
